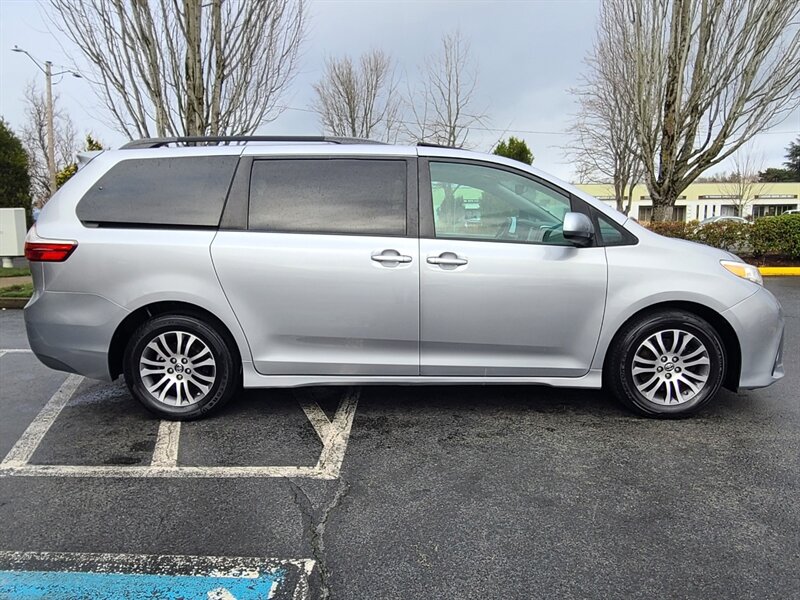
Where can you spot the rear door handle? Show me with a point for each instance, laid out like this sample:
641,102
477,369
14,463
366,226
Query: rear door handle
391,258
447,258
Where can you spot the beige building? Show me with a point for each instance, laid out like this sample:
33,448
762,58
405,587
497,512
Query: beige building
703,200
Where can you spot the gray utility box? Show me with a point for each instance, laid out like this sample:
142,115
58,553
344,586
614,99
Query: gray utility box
12,234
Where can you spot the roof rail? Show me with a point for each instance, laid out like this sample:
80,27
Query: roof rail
432,145
241,139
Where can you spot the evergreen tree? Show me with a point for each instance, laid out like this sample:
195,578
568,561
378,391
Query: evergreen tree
516,149
15,182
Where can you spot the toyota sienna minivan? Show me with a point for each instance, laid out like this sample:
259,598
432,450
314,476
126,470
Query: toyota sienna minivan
196,266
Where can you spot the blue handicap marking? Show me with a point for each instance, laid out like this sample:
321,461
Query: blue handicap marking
85,576
30,585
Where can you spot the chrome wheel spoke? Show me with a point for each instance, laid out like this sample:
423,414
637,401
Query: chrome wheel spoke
200,354
203,377
638,370
651,394
703,360
670,367
202,387
690,385
155,386
163,393
159,371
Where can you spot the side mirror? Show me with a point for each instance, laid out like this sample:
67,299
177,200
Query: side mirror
578,229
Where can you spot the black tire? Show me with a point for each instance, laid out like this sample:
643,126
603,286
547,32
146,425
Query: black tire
225,370
619,365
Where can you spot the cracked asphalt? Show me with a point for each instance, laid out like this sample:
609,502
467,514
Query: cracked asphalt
445,492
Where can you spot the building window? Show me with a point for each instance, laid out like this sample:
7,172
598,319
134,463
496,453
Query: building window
646,213
771,210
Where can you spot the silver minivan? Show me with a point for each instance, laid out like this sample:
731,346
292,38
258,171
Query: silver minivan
196,266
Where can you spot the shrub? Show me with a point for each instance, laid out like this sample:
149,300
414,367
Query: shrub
768,236
726,235
676,229
776,236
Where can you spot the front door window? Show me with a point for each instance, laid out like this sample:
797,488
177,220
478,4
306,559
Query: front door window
483,203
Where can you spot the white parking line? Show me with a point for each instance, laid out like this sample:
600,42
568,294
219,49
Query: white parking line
4,351
165,454
335,444
151,471
319,420
334,435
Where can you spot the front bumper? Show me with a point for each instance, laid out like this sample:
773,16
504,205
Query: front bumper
759,325
72,332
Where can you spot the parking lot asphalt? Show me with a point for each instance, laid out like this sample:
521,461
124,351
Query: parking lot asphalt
443,492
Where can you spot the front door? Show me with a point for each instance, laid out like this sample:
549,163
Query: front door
502,292
324,278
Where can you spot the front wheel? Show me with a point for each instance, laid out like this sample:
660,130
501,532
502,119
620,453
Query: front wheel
179,367
666,364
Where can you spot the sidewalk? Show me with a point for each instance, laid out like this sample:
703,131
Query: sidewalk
9,281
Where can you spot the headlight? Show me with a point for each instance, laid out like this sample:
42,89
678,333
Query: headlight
743,270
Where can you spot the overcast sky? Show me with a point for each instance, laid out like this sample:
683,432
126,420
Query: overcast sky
528,54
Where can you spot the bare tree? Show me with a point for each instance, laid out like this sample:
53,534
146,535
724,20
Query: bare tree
604,146
744,184
34,138
359,100
444,109
700,79
193,67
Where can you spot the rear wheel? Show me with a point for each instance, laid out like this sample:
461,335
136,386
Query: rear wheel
179,367
666,364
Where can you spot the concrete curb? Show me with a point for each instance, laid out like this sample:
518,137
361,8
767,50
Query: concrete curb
780,271
13,302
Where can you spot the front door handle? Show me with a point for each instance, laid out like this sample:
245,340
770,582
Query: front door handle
448,259
394,257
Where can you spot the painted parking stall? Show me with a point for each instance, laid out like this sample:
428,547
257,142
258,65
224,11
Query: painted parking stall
333,432
35,575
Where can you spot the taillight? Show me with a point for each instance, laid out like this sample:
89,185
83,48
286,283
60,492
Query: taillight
44,250
49,251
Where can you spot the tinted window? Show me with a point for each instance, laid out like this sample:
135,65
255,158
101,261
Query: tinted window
329,196
612,234
477,202
188,191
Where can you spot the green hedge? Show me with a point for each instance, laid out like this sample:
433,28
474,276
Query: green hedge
777,237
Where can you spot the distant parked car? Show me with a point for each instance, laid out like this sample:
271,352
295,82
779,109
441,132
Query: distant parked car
723,218
794,211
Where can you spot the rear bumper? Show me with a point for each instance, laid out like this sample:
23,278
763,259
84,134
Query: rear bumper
72,332
759,324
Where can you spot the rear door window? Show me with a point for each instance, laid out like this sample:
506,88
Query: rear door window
180,191
343,196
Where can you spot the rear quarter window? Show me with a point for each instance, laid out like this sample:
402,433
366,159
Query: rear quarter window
181,191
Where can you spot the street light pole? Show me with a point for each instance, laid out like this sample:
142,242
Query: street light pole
47,69
51,151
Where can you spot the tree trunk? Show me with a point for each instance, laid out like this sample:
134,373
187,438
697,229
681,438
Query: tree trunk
663,203
195,92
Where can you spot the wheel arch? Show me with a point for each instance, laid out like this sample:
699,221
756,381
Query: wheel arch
730,341
131,322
